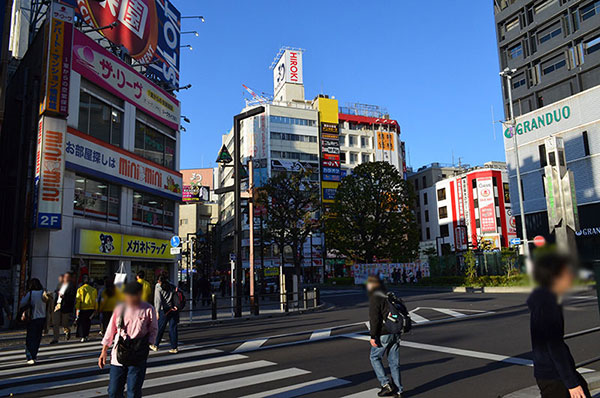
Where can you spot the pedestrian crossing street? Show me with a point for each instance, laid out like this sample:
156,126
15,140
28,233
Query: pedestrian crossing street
193,372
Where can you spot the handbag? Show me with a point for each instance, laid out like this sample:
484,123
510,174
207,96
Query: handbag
131,352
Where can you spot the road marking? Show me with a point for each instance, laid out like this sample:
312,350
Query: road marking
416,318
450,312
320,334
177,378
301,389
251,345
231,384
364,394
53,347
45,354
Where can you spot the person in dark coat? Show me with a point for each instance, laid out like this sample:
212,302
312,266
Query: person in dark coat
553,365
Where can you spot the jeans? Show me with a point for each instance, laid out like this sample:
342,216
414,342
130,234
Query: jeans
133,376
390,343
173,319
34,337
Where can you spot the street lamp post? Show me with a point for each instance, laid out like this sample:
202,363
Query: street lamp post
237,170
507,73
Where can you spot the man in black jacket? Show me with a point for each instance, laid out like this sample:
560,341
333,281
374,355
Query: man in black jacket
554,367
382,341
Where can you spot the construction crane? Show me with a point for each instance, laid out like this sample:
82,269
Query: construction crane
261,99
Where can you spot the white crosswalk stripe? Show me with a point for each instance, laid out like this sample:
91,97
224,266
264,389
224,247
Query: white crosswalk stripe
364,394
298,390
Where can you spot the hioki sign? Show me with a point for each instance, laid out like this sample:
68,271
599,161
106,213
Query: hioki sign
49,172
94,157
288,70
102,68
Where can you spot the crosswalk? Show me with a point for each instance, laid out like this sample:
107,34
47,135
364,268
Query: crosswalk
194,372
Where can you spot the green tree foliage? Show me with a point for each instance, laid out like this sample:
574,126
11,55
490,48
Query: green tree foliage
373,217
293,212
470,266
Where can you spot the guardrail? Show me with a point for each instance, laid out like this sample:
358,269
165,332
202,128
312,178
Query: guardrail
583,333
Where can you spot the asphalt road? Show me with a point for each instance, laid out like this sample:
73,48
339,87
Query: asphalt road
464,345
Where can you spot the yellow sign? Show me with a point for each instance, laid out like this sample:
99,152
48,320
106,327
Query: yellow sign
101,243
328,110
385,141
271,271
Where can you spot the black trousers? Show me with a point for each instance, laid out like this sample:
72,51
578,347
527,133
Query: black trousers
557,389
84,323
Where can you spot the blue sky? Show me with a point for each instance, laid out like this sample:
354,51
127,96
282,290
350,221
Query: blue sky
434,67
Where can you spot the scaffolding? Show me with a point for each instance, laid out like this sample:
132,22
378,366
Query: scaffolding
368,110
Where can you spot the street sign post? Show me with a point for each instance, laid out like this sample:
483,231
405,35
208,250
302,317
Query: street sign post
515,241
176,250
175,241
539,241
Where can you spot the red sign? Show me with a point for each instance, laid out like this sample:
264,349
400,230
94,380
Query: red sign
331,163
539,241
331,156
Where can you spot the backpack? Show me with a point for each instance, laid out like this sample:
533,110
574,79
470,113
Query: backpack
398,319
179,299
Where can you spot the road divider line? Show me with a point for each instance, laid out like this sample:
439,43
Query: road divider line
450,312
416,318
251,345
320,334
298,390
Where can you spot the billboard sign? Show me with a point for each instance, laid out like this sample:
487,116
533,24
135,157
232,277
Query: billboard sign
102,243
100,67
55,89
331,177
331,163
487,205
97,158
49,172
150,30
287,70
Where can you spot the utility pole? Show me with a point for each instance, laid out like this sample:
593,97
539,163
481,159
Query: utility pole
507,73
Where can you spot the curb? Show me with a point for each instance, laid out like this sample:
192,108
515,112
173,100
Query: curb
593,380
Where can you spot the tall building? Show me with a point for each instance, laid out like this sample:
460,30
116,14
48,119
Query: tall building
92,168
294,134
554,46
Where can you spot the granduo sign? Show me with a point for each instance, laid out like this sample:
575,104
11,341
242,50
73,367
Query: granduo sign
540,121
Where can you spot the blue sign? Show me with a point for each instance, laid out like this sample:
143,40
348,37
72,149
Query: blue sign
331,170
331,177
515,241
329,193
175,241
49,220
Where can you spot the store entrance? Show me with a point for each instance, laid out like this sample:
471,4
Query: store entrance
151,269
97,270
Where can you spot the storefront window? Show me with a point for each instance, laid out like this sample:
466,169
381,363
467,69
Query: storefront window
153,145
96,199
153,211
101,118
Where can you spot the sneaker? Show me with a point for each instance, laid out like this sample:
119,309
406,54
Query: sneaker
153,347
84,339
398,395
68,335
386,391
31,362
174,351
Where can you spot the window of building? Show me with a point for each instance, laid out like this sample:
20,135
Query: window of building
416,184
352,140
428,233
542,151
516,51
293,120
444,231
443,212
364,142
293,137
426,215
519,81
590,10
183,221
550,33
512,24
553,65
342,140
294,155
353,158
425,200
100,116
96,199
152,144
441,194
366,158
544,5
592,45
342,157
153,211
424,182
586,143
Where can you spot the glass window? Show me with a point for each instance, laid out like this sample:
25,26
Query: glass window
153,145
342,140
553,65
592,46
364,142
547,35
441,194
353,158
516,51
426,215
428,233
544,5
444,231
352,140
153,211
519,81
590,10
443,212
96,199
425,201
291,120
512,24
366,158
100,119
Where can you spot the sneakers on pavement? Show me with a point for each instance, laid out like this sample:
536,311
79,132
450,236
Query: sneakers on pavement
387,391
84,339
31,362
68,335
153,347
174,351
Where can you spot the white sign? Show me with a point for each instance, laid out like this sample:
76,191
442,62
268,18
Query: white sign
175,250
49,172
288,70
487,205
94,157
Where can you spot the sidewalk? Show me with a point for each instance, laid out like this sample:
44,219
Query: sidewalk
593,380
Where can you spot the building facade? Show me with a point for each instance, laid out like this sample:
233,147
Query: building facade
554,45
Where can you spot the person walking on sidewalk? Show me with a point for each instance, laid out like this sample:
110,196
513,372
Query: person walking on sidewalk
86,304
553,364
131,328
108,302
146,287
33,312
382,341
165,302
63,307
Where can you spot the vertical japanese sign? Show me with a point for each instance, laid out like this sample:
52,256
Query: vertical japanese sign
150,30
55,89
330,148
487,205
49,172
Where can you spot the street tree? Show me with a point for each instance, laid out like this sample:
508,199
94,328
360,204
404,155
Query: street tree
373,215
292,203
